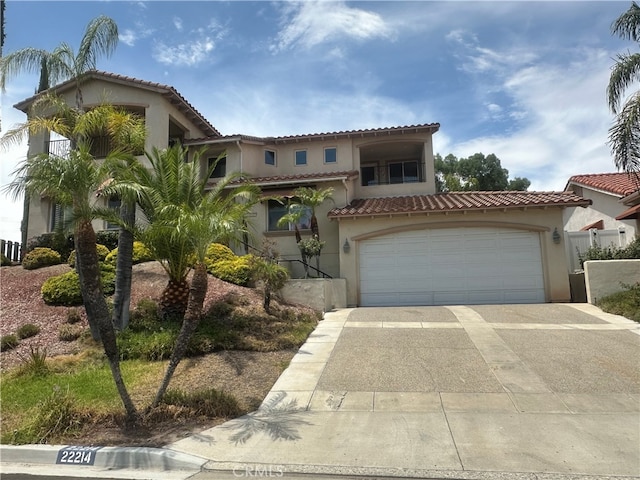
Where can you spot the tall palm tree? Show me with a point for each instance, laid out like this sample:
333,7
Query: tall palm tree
624,135
72,181
63,63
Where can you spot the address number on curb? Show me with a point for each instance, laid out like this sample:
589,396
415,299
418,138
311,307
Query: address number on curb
77,455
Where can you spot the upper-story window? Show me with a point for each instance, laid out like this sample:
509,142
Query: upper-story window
220,169
330,155
301,157
269,157
403,172
276,210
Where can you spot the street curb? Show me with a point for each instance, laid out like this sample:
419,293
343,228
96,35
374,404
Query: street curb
108,458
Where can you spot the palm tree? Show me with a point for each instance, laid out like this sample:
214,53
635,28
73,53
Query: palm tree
100,38
72,181
305,203
624,135
184,219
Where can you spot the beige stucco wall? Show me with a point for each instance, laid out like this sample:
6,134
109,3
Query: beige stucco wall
318,293
543,221
605,207
604,277
158,112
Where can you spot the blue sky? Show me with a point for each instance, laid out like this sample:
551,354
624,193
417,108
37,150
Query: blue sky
523,80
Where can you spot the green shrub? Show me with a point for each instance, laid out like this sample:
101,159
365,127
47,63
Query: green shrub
4,261
73,316
237,270
141,254
58,241
27,330
100,249
8,342
41,257
69,333
36,364
210,402
108,238
217,252
145,317
65,289
611,252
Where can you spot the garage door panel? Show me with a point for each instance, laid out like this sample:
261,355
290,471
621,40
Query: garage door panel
452,266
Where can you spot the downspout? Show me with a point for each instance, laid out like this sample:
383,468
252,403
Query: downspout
240,149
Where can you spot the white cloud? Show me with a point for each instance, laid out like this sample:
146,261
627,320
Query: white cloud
311,23
128,37
188,54
177,22
563,121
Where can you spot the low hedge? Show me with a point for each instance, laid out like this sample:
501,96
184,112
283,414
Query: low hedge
141,254
102,250
65,289
41,257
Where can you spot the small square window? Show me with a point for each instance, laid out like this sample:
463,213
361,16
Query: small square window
301,157
220,169
330,155
269,157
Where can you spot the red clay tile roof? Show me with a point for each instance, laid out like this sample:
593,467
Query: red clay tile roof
302,177
167,91
622,184
457,202
374,132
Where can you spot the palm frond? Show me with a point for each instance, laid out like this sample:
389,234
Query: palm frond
23,60
624,136
627,25
100,38
625,72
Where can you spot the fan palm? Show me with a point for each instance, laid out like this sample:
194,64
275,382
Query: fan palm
624,135
63,63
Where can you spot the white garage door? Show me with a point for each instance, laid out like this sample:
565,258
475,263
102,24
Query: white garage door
451,266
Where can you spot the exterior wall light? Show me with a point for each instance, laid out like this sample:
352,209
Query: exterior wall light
556,236
346,248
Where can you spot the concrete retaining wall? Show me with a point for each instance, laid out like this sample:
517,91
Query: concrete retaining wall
322,294
604,277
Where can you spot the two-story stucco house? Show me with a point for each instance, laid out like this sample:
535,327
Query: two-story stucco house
388,233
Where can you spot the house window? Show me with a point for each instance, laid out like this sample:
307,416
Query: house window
269,157
403,172
368,176
301,157
220,169
60,217
114,204
330,155
276,210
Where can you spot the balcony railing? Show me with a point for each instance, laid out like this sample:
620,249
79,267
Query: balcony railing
392,173
59,148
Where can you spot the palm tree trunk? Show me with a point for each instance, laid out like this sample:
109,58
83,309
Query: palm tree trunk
197,294
124,266
97,308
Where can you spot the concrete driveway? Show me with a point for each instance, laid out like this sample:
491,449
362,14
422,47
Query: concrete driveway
447,392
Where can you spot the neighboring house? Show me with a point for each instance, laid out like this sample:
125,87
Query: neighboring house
615,203
387,232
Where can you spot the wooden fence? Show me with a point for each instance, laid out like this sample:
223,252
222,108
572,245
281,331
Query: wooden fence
12,250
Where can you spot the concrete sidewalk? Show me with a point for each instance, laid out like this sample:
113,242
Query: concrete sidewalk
447,392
